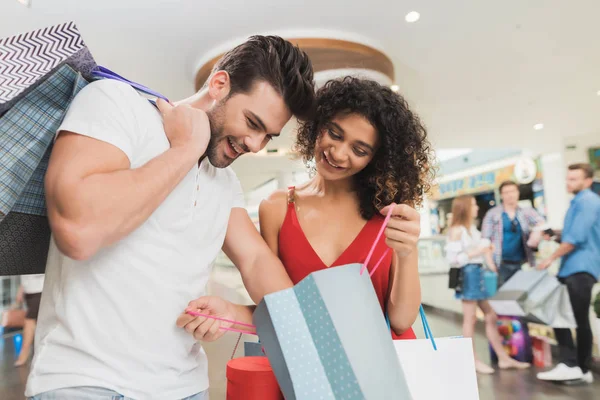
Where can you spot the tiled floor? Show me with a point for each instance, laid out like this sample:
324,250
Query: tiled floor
503,385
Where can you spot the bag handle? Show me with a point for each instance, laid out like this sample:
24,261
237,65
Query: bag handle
197,314
103,72
426,327
385,222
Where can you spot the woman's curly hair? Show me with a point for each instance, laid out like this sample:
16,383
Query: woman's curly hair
401,170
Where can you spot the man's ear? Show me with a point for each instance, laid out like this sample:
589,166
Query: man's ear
219,85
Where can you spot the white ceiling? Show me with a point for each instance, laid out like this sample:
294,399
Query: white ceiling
480,73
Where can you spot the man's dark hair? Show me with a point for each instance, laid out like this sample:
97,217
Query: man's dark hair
276,61
506,184
587,169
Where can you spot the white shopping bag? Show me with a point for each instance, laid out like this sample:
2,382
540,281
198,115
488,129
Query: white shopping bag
446,373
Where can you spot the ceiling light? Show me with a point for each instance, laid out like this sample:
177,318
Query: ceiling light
26,3
395,88
538,127
598,92
412,16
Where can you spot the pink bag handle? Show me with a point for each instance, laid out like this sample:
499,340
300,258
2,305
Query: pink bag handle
197,314
383,226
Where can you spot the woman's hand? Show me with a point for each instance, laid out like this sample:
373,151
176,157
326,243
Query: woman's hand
403,230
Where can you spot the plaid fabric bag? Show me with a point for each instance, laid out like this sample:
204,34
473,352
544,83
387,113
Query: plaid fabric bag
40,73
27,131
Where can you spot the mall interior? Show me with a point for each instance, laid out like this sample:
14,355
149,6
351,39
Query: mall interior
507,91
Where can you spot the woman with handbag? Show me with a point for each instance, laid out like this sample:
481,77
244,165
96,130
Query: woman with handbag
31,292
467,251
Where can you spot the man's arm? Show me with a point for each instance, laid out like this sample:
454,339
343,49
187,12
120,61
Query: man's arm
93,197
262,272
487,225
573,235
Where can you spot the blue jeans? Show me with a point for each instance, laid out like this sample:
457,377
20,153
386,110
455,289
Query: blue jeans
95,393
506,271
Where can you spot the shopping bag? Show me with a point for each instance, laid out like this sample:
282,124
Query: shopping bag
27,131
327,337
535,295
445,373
28,58
314,335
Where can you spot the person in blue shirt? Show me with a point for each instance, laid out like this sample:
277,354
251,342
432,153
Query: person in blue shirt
579,271
509,226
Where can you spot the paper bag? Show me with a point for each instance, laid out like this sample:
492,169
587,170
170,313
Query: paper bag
445,373
535,295
315,336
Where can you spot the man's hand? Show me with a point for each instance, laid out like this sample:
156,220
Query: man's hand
544,264
403,231
203,328
186,127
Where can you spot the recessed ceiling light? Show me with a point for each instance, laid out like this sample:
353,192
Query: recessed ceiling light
26,3
412,16
538,127
395,88
598,92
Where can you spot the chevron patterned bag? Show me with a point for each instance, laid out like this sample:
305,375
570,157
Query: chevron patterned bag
27,59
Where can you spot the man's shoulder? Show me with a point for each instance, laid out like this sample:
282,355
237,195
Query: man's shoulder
113,89
495,211
589,197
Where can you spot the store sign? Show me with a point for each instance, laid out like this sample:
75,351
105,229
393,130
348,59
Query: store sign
469,184
486,181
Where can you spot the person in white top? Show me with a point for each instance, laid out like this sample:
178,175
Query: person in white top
30,292
140,202
467,250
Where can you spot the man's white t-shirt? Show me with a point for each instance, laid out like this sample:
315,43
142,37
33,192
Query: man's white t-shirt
109,321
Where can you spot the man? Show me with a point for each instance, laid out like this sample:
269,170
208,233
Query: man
508,226
579,271
140,202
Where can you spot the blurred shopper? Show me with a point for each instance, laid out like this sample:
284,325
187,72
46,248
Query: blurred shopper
30,292
579,271
468,250
509,227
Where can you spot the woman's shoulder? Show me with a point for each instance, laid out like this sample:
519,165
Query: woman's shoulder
456,232
275,202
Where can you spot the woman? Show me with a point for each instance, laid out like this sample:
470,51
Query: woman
30,291
466,249
370,151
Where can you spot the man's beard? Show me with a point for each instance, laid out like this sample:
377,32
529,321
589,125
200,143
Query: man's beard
216,119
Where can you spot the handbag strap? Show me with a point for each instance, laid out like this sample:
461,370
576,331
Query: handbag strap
103,72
